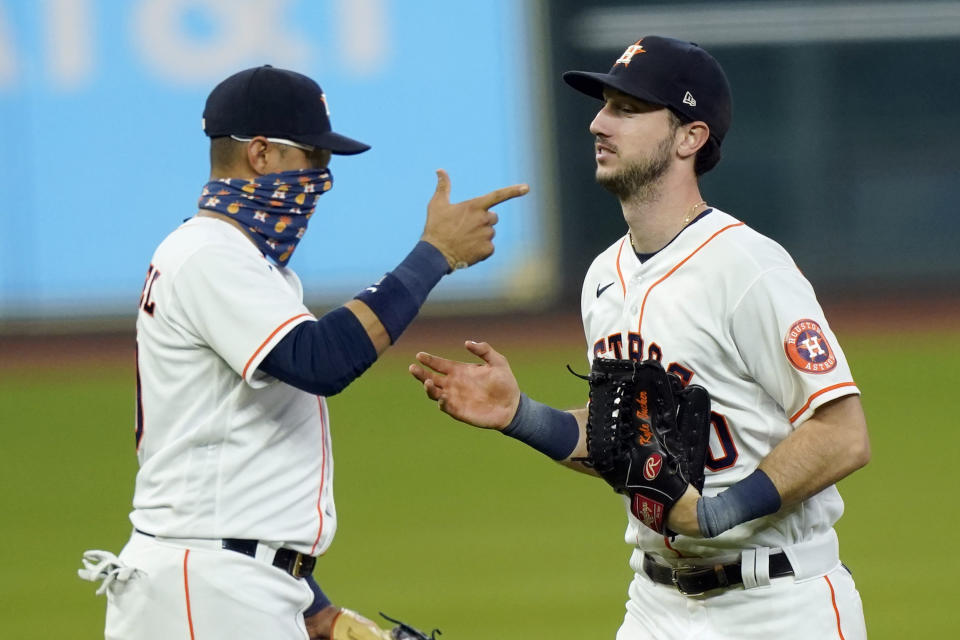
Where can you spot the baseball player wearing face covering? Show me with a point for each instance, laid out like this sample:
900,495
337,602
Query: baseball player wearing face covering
715,303
234,495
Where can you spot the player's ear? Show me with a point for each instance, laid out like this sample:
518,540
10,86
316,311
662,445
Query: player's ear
693,136
257,155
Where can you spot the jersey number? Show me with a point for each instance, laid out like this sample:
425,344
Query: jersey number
148,306
729,449
147,303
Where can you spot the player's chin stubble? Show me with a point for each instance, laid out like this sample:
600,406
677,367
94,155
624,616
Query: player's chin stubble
638,181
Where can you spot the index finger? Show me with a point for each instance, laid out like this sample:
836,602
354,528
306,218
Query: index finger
438,364
502,195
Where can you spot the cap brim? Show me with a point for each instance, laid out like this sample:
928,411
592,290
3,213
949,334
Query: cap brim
593,85
336,143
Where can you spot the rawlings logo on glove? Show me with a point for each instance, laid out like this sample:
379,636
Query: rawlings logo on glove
647,435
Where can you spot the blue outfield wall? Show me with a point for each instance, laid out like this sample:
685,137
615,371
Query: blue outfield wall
100,110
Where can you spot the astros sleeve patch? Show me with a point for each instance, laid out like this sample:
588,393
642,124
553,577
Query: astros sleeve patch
807,348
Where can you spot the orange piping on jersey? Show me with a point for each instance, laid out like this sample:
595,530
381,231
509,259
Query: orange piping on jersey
677,266
818,393
666,541
265,342
623,285
186,591
833,600
323,474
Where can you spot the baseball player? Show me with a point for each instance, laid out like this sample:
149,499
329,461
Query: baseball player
234,495
719,305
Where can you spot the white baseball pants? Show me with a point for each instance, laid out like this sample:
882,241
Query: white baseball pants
827,608
194,590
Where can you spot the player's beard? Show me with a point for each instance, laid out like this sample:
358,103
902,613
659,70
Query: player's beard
639,180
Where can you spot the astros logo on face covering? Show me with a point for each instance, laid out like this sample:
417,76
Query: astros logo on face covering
631,51
807,348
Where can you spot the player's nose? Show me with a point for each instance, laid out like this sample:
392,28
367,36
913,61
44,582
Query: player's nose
599,126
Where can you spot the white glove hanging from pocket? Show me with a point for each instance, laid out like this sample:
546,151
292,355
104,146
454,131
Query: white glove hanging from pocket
103,565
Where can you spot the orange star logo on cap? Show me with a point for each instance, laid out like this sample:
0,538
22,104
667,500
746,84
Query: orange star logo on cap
631,51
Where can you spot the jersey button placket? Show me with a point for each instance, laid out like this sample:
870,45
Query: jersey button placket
635,283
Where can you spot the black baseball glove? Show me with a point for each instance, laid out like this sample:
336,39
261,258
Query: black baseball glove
647,435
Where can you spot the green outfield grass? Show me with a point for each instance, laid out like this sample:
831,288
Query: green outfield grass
467,530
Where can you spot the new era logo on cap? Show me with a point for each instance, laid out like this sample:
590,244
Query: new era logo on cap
688,99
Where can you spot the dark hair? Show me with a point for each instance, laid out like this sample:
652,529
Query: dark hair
225,151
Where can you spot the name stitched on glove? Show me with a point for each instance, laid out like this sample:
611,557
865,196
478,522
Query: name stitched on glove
643,412
645,435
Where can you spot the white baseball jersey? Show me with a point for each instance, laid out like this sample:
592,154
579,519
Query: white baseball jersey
726,308
226,451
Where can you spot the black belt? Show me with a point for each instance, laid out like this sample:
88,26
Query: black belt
692,581
298,565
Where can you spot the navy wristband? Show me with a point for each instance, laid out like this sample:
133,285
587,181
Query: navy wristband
320,599
548,430
397,297
753,497
422,269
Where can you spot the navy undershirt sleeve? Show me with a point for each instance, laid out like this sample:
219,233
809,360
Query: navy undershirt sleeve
323,356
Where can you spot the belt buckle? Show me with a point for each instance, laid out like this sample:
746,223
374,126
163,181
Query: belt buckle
297,565
675,578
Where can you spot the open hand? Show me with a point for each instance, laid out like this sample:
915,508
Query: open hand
481,394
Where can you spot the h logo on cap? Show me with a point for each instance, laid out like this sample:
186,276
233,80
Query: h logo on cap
631,51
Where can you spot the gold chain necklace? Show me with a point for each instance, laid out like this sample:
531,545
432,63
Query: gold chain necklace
693,209
686,221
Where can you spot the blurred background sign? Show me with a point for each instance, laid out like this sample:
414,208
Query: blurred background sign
843,145
100,105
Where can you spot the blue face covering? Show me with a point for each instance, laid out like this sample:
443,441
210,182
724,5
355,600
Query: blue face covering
274,207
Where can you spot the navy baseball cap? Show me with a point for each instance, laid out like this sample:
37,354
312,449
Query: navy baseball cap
676,74
275,103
